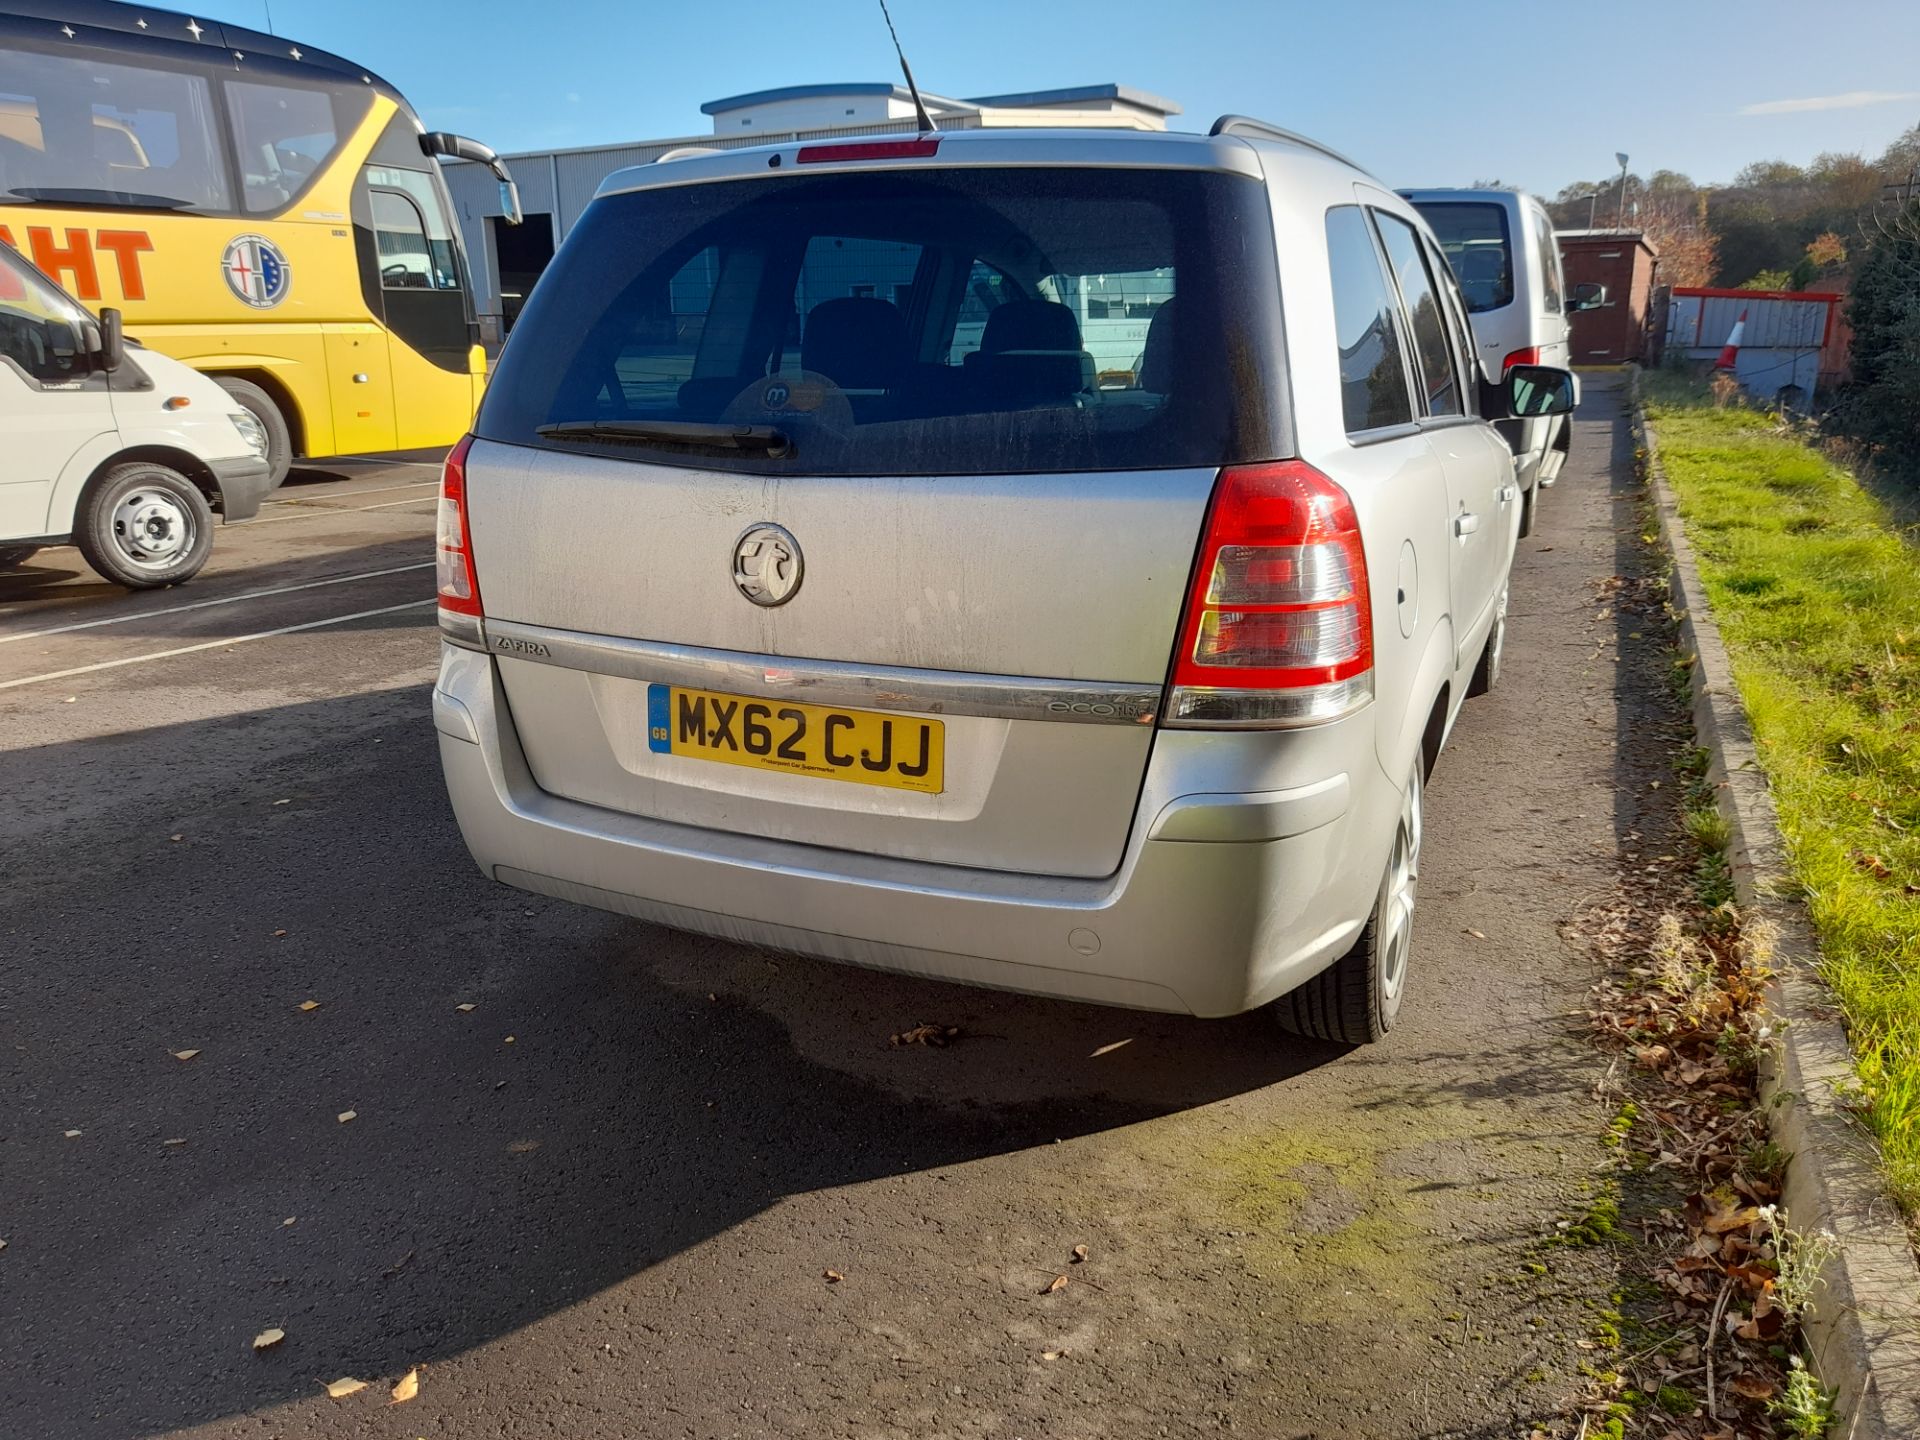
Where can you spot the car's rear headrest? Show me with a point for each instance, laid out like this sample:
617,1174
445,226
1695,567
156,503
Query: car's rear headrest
1030,325
858,342
1156,359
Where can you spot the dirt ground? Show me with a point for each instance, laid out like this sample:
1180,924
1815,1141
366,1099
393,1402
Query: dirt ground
603,1202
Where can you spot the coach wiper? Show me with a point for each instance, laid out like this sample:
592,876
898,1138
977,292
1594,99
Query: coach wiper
117,199
693,433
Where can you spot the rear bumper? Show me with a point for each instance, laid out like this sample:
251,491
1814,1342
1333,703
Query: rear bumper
1222,902
243,484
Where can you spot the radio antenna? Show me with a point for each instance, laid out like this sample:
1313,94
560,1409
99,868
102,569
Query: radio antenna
919,106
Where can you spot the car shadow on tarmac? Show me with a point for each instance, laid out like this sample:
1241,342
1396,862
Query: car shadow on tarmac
616,1095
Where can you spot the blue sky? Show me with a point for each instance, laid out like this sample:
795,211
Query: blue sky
1534,95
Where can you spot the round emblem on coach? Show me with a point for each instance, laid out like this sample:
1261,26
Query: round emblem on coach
767,565
257,271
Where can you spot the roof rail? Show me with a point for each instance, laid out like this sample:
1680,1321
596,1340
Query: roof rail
1261,130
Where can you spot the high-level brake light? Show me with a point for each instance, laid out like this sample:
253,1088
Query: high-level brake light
1279,627
923,148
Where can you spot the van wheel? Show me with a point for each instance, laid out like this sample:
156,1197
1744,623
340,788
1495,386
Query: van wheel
1486,674
1356,1000
279,437
12,557
143,526
1529,498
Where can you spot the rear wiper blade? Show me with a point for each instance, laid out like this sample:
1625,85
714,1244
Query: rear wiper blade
776,442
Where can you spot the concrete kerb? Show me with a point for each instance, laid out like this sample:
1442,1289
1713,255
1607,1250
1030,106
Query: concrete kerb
1864,1328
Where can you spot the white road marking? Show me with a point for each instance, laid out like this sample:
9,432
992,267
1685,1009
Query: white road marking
312,512
222,600
211,644
390,504
370,490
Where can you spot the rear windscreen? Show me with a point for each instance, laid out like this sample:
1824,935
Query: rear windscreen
1474,235
945,321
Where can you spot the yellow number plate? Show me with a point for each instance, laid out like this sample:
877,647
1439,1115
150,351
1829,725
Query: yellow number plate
901,752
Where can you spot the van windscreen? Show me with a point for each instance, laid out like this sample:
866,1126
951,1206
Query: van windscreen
1474,236
908,322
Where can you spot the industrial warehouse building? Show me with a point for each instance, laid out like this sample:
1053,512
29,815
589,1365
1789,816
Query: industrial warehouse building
555,185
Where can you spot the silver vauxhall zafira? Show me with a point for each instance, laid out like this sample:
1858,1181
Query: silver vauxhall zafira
1043,560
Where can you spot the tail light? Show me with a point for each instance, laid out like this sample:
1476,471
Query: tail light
1528,356
460,611
1279,627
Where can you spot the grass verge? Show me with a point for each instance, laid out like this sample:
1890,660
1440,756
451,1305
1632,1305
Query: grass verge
1817,595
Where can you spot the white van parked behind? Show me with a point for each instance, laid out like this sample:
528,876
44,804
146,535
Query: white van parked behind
1502,248
110,447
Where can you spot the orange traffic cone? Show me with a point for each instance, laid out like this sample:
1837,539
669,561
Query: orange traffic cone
1730,352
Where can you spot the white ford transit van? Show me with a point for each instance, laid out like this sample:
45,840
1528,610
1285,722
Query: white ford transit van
110,447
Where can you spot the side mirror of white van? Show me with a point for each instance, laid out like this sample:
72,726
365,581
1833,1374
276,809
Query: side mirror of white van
111,350
1536,390
1586,296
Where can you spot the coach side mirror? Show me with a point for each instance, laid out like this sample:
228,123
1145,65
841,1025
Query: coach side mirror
1586,296
111,351
1537,390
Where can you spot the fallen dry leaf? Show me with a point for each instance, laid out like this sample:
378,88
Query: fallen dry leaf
1476,934
833,1277
174,837
1109,1049
185,1054
1059,1282
934,1035
283,802
267,1339
346,1385
1053,1355
1754,1387
408,1387
1079,1253
522,1147
1872,864
345,1115
309,1004
278,933
173,1143
464,1006
73,1134
1651,1057
507,1041
288,1221
3,1244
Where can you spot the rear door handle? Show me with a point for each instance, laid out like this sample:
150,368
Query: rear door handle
1465,524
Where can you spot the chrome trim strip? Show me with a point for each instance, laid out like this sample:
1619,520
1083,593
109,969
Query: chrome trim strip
824,682
467,631
1196,707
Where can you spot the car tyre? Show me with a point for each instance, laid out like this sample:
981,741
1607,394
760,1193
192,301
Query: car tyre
279,438
1486,674
1357,999
12,557
144,526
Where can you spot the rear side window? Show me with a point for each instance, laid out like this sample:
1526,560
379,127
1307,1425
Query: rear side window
1552,301
915,322
1440,385
1474,236
1373,378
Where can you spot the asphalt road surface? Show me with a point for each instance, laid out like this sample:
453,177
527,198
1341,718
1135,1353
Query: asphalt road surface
603,1201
